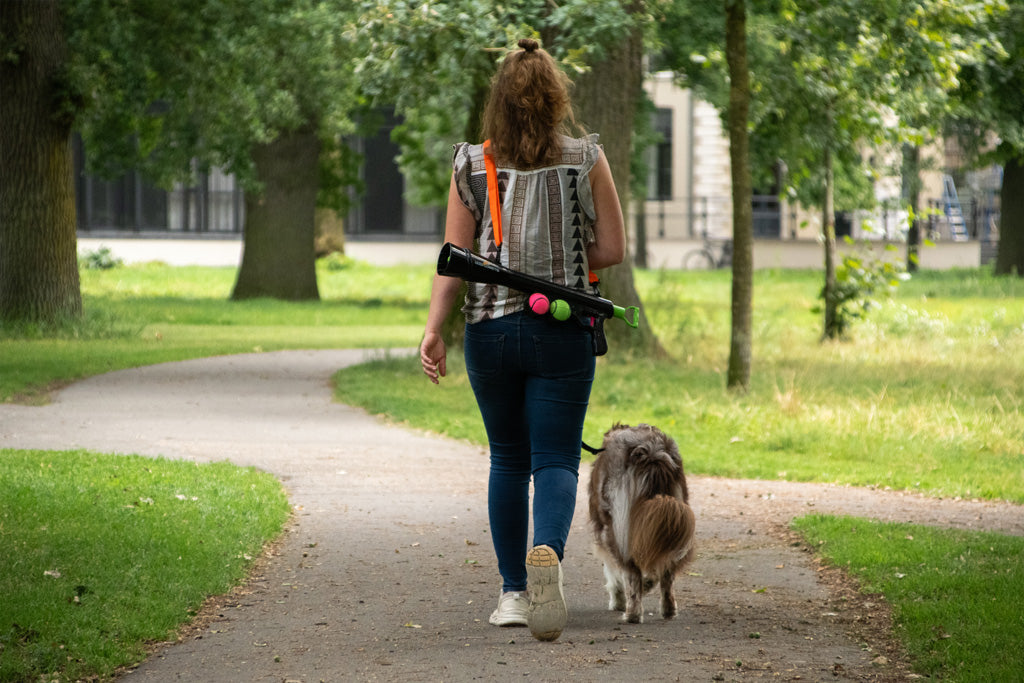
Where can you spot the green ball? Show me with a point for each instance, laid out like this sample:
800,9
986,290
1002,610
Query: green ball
560,310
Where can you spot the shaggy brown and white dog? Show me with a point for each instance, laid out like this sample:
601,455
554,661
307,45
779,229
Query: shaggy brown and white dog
642,523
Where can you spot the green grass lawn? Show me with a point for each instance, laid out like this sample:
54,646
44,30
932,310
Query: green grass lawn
927,396
152,313
104,554
955,594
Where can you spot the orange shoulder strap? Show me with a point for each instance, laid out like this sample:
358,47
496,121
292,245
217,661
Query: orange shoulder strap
494,198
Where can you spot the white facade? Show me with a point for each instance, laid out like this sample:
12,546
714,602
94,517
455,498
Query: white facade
701,186
699,201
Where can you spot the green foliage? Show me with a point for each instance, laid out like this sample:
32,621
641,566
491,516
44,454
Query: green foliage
205,80
990,87
830,80
842,75
105,554
335,262
862,280
429,62
433,62
955,594
339,174
100,259
644,136
169,94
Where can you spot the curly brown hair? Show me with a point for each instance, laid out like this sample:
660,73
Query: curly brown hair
529,108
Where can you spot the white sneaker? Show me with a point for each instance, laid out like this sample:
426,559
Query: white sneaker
511,610
547,613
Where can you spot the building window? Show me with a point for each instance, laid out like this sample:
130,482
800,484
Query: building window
213,204
659,176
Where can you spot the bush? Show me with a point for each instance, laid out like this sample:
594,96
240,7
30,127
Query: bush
336,261
101,259
862,280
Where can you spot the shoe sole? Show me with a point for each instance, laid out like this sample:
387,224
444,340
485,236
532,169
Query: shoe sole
547,614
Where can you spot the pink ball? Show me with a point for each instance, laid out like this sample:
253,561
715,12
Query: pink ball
539,304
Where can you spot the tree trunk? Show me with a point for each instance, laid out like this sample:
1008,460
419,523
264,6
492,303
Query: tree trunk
640,257
828,227
606,98
38,249
912,179
742,191
278,259
1011,221
329,232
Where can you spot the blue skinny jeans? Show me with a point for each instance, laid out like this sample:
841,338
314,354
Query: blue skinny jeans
532,378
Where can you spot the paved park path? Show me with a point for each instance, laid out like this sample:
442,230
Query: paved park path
386,572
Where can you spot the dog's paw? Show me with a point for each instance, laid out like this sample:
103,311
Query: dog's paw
633,618
668,602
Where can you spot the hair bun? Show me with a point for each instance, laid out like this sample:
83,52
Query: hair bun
528,44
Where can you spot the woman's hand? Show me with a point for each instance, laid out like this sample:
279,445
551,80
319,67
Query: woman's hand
433,356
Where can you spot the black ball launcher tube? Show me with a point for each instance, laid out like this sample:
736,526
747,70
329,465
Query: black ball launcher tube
458,262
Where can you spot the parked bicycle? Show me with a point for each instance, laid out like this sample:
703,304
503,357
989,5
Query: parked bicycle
715,253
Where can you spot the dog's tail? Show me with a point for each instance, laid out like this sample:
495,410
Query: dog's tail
661,533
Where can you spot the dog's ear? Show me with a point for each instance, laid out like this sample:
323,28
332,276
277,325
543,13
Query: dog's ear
639,452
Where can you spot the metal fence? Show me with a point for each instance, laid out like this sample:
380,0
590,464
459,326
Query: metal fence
213,204
694,217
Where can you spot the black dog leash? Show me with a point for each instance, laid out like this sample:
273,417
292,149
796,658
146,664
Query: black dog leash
591,449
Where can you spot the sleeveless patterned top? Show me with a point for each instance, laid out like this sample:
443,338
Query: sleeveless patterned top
547,222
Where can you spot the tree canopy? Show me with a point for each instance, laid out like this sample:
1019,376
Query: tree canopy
433,63
830,78
989,117
170,89
166,85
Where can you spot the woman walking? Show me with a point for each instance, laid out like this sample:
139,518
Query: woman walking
540,202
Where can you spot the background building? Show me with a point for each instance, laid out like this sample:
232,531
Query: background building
688,197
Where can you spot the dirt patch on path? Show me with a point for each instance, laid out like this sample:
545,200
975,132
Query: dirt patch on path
386,572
